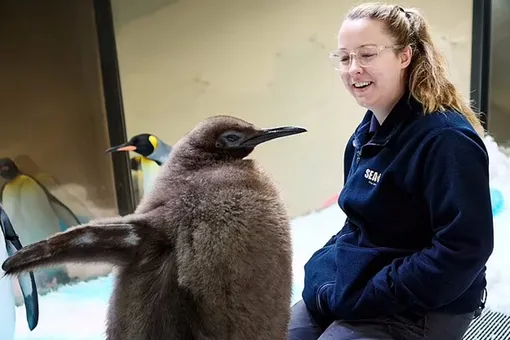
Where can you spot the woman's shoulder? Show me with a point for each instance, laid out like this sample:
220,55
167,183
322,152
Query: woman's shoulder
446,132
446,122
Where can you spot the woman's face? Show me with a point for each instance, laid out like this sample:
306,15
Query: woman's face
376,76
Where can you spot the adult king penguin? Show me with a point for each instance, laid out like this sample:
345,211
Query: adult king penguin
153,151
9,244
207,253
36,213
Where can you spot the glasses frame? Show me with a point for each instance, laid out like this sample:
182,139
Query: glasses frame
354,54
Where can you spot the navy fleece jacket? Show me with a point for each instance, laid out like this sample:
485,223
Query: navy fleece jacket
419,226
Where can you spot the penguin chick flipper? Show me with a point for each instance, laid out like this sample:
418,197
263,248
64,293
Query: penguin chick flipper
113,241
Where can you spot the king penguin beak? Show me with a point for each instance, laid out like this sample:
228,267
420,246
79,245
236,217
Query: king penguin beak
268,134
121,147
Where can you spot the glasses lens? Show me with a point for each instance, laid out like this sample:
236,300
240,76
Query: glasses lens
339,60
366,55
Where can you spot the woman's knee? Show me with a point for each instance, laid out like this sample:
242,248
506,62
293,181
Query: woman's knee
342,330
302,325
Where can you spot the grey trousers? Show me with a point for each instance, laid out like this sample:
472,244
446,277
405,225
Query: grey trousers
435,326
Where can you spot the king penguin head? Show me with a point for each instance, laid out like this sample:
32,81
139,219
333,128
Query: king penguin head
143,144
227,138
8,169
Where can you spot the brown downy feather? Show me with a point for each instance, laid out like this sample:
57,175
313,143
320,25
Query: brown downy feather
206,255
111,240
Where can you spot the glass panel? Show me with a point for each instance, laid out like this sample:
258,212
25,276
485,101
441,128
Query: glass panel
53,132
499,100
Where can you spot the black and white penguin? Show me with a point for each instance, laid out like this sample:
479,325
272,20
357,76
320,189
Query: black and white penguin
36,213
9,244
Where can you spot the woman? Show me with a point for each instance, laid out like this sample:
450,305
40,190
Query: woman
410,260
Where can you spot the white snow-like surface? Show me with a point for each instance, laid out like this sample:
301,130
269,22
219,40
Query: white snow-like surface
78,312
498,272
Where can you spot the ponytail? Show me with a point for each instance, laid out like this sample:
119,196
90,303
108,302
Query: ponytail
428,81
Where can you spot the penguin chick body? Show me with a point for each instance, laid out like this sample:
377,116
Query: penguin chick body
206,255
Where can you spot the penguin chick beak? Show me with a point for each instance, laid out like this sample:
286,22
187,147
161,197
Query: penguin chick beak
265,135
122,147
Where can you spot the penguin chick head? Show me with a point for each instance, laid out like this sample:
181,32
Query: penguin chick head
227,138
8,169
144,144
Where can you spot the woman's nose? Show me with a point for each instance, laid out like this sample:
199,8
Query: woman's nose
354,67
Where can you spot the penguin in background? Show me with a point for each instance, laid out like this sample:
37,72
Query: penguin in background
137,176
36,213
26,165
153,153
9,244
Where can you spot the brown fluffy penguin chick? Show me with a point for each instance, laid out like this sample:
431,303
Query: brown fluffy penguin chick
206,255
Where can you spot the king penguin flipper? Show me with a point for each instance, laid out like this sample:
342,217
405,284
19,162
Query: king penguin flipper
62,211
26,280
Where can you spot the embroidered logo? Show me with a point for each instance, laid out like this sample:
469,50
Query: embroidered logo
372,176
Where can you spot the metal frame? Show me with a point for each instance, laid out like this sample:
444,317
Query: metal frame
481,57
113,104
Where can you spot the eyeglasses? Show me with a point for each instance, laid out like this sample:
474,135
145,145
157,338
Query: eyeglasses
364,55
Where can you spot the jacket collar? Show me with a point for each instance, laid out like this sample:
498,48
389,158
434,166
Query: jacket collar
406,108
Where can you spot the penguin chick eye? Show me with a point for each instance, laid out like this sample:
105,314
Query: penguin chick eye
229,138
232,138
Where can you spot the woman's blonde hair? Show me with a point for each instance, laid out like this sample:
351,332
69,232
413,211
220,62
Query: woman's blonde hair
427,78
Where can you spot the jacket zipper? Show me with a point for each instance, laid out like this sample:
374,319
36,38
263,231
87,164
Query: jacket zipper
317,297
360,149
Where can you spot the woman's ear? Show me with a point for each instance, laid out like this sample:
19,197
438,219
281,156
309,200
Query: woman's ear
405,56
